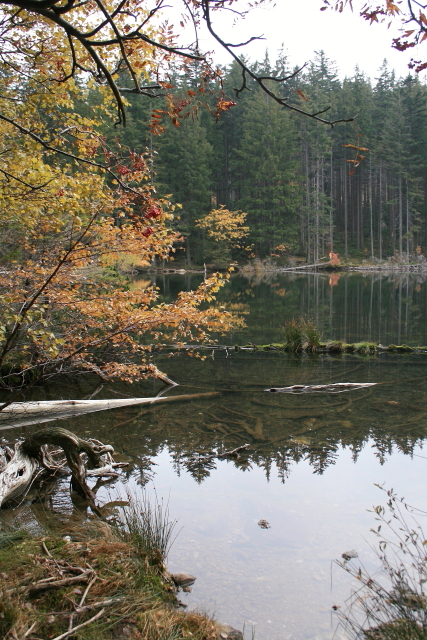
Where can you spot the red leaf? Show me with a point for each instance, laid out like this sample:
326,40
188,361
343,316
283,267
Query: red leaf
300,93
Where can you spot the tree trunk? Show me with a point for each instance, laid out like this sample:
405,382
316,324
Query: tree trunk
371,211
345,214
400,217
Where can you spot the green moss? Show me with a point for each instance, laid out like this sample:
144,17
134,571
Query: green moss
365,347
8,615
336,346
124,570
402,348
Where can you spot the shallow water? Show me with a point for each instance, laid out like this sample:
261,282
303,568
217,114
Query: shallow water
313,459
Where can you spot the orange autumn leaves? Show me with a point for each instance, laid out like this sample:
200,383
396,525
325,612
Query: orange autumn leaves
75,214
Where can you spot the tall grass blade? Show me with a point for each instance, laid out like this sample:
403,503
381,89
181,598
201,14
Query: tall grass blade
145,523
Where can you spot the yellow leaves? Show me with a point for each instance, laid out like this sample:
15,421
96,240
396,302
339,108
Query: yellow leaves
358,158
223,225
72,231
353,146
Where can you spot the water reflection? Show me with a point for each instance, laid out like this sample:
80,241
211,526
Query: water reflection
299,471
381,307
281,429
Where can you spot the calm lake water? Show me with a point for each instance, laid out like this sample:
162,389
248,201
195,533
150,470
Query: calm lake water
313,460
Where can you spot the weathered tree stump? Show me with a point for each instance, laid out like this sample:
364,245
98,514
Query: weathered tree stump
18,468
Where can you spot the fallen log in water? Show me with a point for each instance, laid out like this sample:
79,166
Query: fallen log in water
19,467
336,387
20,414
332,347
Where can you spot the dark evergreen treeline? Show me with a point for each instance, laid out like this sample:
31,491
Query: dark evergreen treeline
293,176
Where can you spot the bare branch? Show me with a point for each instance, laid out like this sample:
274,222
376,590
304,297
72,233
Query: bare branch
246,71
242,44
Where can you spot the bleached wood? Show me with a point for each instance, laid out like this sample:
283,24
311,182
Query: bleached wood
335,387
20,414
16,475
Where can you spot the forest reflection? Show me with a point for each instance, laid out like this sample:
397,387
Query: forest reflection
281,430
382,307
387,307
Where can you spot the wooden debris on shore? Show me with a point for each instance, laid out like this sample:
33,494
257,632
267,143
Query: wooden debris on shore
336,387
19,467
100,580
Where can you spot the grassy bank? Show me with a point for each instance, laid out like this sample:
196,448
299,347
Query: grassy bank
95,582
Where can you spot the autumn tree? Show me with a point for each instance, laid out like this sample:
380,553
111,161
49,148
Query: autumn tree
76,199
72,204
226,233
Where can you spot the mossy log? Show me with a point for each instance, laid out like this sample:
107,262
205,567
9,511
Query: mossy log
19,467
333,346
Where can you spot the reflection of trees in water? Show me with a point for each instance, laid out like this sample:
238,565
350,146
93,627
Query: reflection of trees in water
282,429
381,307
281,432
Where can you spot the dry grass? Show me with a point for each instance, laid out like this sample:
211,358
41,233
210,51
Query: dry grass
126,585
391,604
166,624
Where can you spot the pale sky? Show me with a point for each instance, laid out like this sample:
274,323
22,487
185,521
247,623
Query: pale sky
346,38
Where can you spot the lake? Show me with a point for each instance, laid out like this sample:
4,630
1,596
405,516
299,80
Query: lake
313,460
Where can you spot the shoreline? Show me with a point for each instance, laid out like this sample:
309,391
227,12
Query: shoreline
310,269
93,581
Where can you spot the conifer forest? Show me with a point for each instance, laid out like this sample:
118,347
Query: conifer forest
358,188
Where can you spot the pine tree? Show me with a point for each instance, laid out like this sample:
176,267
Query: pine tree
266,174
183,170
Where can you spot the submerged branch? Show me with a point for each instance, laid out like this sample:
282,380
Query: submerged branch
336,387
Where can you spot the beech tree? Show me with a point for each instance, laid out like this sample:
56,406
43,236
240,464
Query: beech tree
74,199
71,203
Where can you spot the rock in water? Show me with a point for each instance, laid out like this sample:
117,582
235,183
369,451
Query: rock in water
229,633
183,579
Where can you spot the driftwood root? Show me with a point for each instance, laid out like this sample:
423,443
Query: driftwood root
18,470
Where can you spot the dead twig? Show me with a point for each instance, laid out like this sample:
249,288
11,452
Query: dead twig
83,598
96,605
80,626
46,550
39,587
233,452
28,631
